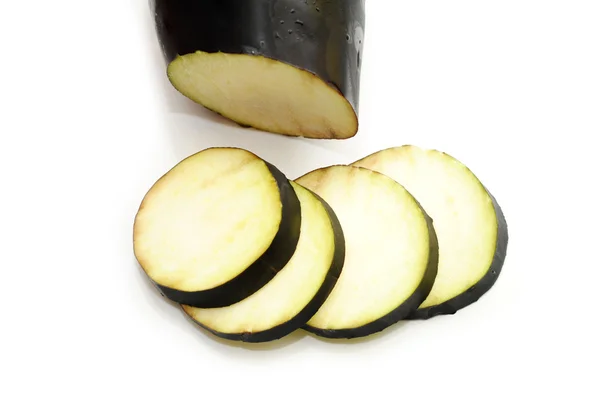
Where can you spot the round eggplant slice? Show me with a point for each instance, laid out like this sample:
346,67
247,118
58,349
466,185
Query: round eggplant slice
471,228
391,252
290,299
217,227
284,66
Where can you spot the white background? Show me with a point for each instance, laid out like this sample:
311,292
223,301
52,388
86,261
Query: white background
88,121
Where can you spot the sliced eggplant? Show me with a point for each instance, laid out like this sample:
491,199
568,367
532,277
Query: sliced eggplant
217,227
290,299
471,228
391,252
284,66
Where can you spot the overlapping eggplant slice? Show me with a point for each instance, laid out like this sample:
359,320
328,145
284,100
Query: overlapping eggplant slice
470,225
287,302
391,252
217,227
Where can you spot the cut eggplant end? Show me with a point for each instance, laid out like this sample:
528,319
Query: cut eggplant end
216,227
391,252
265,94
295,294
469,223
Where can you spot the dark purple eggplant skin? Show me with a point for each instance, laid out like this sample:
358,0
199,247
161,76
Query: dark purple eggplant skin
324,37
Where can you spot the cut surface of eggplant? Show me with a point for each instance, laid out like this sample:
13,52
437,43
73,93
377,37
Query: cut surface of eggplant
295,294
217,227
470,226
391,252
284,66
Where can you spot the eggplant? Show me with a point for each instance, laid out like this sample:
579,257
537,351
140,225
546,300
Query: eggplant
391,252
470,225
217,227
296,293
289,67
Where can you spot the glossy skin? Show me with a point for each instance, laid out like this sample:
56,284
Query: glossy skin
323,37
335,270
262,270
473,294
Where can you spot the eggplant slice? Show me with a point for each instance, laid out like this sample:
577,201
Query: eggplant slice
290,67
471,228
290,299
391,252
217,227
